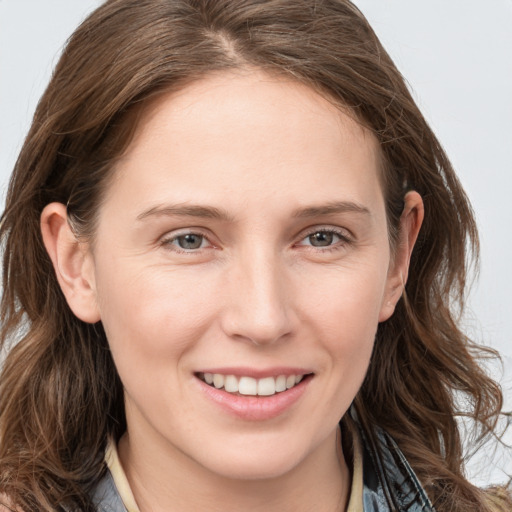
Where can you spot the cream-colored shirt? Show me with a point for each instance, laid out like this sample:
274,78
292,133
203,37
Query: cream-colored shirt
355,503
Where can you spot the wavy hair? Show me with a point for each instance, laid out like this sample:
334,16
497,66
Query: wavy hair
60,395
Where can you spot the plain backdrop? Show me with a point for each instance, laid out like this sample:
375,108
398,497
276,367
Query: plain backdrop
457,58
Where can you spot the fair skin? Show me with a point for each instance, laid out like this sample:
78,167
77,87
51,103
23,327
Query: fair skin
286,271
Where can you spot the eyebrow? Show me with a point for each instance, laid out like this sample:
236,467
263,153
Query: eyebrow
211,212
331,208
187,210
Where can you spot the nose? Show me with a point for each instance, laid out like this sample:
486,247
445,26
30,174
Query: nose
257,307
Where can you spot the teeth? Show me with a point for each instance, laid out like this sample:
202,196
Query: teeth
218,380
231,384
247,386
267,386
280,383
253,387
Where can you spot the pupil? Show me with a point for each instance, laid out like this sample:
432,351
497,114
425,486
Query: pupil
321,239
190,241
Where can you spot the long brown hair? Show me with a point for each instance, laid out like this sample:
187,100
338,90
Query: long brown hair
60,396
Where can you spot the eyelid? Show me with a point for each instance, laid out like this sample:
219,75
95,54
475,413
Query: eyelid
344,234
167,239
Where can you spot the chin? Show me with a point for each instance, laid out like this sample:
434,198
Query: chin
251,468
250,458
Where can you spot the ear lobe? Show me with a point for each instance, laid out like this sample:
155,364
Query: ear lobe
72,262
410,224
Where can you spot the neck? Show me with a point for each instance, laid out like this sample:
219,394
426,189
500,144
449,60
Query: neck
165,481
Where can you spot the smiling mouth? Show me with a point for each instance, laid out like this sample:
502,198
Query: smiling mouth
249,386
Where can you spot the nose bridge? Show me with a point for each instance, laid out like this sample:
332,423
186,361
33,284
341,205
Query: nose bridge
258,308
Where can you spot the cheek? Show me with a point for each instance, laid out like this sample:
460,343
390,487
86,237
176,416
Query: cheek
347,302
153,321
343,316
152,315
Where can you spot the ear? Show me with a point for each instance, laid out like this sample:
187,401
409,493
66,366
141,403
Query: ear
72,261
410,224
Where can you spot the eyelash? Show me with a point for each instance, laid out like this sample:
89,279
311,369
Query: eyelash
344,239
168,242
342,235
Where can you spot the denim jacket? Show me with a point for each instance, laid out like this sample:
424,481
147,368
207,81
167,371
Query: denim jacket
389,483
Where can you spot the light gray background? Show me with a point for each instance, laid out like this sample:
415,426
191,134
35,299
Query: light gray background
457,58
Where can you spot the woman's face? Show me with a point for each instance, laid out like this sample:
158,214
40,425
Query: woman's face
244,236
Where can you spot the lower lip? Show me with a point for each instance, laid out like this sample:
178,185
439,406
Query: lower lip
256,408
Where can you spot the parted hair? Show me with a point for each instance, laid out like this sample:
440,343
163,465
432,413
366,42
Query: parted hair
60,395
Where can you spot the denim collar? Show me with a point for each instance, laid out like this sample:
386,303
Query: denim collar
389,482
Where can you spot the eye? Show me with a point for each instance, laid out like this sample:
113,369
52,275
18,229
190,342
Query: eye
187,242
324,238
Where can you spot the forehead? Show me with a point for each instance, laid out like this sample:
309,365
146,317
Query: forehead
252,132
254,98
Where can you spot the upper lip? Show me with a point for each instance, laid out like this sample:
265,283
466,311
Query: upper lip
257,373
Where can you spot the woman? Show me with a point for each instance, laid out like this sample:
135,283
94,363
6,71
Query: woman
229,274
